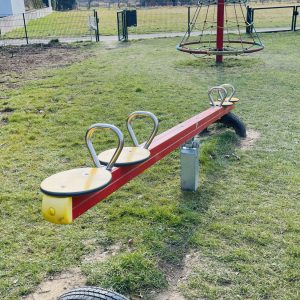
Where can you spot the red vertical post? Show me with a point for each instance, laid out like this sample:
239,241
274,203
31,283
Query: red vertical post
220,29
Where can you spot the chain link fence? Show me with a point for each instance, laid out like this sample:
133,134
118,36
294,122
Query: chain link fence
44,25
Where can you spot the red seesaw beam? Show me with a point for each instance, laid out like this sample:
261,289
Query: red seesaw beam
161,146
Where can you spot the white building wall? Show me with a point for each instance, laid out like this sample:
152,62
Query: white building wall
11,7
18,6
10,23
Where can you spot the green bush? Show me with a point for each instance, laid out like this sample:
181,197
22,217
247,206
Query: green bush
64,4
32,4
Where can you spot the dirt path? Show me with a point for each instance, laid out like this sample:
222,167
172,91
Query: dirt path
113,38
250,140
54,286
178,276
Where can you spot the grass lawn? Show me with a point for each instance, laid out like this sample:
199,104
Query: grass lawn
243,222
150,20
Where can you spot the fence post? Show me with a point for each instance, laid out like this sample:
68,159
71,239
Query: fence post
252,20
125,29
189,20
94,13
25,28
248,27
97,33
294,20
118,24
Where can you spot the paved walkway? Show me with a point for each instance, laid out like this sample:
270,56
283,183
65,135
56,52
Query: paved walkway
112,38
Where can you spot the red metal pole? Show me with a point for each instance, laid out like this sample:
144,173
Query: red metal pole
220,29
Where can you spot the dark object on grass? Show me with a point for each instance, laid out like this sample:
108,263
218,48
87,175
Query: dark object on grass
54,42
231,120
91,293
64,4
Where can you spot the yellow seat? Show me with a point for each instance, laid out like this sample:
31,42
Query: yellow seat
233,99
138,153
223,96
84,180
229,87
58,189
128,156
76,182
224,103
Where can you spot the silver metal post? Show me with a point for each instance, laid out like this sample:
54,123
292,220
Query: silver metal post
189,159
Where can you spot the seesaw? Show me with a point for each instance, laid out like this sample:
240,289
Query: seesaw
68,194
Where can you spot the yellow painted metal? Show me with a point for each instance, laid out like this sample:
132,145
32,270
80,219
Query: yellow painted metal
128,156
225,103
76,182
233,99
57,210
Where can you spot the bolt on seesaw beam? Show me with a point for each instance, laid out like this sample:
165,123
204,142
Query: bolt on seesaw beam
69,194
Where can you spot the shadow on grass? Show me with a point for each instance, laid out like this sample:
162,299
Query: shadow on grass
214,157
229,62
160,229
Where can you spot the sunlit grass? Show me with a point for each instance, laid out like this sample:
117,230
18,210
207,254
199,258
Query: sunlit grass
244,219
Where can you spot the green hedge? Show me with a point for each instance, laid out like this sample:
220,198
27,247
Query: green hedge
64,4
32,4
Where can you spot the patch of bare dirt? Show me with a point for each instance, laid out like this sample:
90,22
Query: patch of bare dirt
248,142
177,276
18,60
101,254
56,285
111,45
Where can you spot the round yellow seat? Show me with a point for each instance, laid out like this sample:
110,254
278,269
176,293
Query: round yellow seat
128,156
76,182
225,103
224,98
230,88
233,99
137,154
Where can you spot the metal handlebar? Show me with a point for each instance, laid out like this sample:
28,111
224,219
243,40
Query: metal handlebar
221,92
231,87
135,114
91,148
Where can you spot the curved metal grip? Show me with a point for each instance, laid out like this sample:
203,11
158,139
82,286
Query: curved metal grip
91,148
135,114
230,87
221,92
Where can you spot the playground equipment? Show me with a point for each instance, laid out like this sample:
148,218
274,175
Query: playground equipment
224,99
69,194
221,32
131,155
